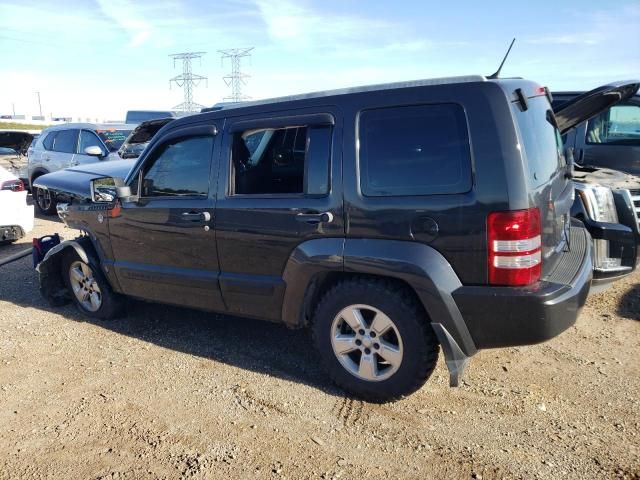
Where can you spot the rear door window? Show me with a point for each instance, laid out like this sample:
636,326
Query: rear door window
414,150
66,141
282,161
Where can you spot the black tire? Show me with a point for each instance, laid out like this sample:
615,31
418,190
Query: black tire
419,344
44,201
111,304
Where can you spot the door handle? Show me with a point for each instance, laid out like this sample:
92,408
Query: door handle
325,217
196,216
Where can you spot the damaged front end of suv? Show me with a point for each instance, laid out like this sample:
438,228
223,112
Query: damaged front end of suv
74,188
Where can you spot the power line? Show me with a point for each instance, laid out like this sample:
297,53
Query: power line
188,80
235,79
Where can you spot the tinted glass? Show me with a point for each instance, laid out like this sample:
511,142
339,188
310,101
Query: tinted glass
47,142
269,161
541,140
180,169
66,141
417,150
113,138
89,139
620,125
317,161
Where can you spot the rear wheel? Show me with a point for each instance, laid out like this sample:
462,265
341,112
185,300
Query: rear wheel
375,339
89,290
44,201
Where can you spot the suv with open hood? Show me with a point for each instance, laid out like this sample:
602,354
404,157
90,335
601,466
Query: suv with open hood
390,219
13,151
607,201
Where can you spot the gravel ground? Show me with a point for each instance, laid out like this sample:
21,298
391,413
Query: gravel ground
174,393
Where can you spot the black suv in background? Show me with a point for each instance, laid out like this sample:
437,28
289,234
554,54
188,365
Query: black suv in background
610,139
389,219
607,200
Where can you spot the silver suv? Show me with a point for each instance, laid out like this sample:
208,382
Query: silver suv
72,144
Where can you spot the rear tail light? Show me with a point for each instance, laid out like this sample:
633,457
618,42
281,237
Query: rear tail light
13,185
515,247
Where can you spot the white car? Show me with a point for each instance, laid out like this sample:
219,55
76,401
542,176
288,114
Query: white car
16,217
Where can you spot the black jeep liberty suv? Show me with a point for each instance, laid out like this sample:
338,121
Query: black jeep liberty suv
390,220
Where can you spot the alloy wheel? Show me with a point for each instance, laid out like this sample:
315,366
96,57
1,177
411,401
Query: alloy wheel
84,286
366,342
43,198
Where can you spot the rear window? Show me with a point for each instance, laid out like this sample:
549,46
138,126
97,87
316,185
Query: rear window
541,140
113,138
414,150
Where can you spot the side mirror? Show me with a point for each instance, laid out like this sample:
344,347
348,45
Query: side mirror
94,151
107,190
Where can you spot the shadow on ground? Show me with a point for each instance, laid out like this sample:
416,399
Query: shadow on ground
629,306
255,345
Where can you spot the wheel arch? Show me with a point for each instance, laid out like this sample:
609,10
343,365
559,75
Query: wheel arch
421,269
37,172
50,275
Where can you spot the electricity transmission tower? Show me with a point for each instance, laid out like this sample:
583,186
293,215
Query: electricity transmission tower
187,80
236,79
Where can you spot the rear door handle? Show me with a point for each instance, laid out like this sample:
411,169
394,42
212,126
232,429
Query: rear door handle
325,217
196,216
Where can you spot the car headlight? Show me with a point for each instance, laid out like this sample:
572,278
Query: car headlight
599,203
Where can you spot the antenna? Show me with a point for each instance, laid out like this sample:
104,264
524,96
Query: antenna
495,75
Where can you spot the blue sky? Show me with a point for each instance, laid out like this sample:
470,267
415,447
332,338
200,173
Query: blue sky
99,58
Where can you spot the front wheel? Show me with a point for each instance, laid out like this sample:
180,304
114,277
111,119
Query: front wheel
45,201
89,289
375,339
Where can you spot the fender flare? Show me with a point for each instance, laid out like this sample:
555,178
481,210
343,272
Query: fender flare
420,266
309,260
424,269
51,282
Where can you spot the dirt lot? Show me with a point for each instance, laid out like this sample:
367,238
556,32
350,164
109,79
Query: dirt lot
173,393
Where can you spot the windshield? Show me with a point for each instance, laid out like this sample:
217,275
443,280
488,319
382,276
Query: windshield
113,138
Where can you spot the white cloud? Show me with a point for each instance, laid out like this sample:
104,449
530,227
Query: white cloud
125,14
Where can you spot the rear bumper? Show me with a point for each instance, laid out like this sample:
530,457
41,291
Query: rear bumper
15,213
507,316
